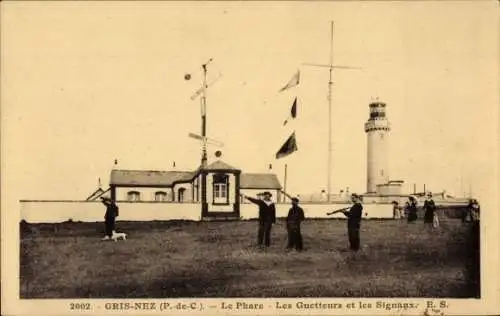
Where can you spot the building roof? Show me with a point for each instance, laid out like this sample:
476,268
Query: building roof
97,194
390,184
94,194
396,181
148,177
219,165
154,178
259,181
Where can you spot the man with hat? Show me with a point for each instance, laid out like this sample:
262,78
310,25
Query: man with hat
267,217
109,217
354,221
293,220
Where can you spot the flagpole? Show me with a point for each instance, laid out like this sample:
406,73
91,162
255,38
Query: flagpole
330,83
330,67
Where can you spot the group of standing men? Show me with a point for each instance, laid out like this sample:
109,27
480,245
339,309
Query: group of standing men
267,217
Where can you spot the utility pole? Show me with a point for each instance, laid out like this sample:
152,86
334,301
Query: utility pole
330,67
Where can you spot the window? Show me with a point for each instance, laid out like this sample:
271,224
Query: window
220,189
180,195
160,196
133,196
376,114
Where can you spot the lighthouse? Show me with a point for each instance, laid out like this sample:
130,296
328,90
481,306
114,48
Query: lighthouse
377,130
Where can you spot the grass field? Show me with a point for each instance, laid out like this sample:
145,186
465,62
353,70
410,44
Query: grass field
219,259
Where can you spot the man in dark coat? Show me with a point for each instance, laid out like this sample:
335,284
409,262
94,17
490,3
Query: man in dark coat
354,222
293,220
267,217
430,209
109,217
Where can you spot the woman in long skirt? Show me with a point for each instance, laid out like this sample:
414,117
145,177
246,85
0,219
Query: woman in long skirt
411,209
430,216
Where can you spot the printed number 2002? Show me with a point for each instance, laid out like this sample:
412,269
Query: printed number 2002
79,306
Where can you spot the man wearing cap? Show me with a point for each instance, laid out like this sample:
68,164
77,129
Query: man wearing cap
354,222
293,220
267,217
109,217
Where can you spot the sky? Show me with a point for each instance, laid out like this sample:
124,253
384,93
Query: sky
85,83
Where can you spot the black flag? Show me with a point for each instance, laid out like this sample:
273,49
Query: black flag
293,111
288,147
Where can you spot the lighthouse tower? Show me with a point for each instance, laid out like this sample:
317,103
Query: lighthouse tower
377,129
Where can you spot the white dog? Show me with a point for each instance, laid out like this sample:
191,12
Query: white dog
117,236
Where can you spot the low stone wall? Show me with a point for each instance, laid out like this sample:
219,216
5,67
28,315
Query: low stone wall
43,211
60,211
320,210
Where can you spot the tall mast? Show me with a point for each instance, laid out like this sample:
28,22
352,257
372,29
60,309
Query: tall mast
204,114
330,84
330,67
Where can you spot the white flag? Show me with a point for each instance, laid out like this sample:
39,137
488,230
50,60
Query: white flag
293,82
197,93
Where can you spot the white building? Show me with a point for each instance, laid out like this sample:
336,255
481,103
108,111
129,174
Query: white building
220,198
